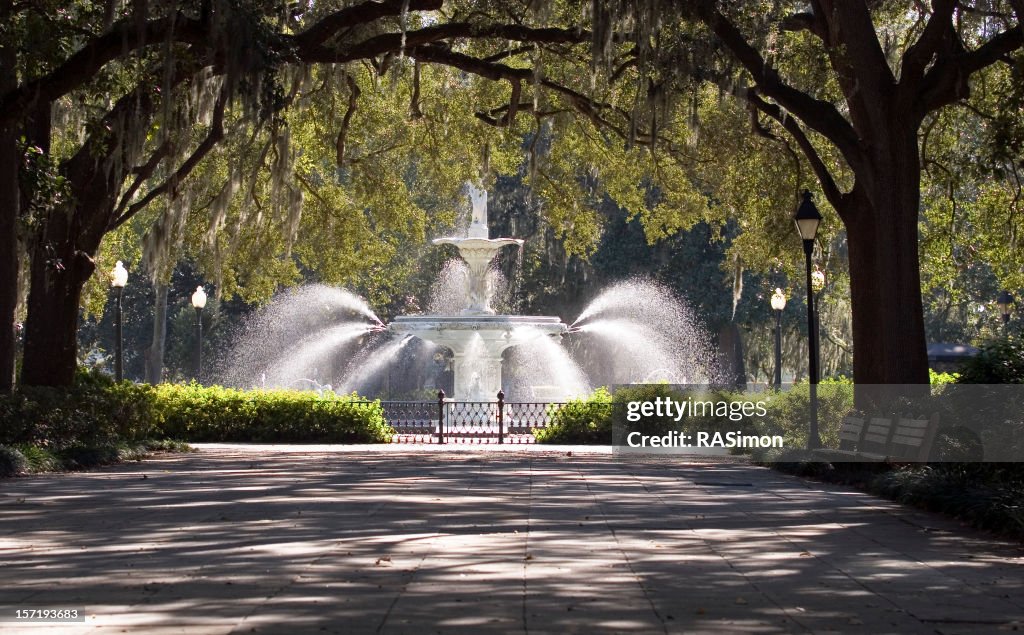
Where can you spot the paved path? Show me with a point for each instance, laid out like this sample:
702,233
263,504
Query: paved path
240,540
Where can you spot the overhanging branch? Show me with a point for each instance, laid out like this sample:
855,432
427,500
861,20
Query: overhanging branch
791,126
821,116
124,36
170,184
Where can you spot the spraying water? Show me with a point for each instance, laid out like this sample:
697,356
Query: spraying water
541,369
322,319
644,333
314,352
363,367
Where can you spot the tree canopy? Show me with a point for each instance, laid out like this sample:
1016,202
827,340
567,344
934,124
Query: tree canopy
267,141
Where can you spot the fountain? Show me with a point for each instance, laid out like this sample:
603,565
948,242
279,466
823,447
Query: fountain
477,336
635,331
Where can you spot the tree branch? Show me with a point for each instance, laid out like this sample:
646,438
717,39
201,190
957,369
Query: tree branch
392,42
828,183
353,100
806,21
819,115
125,35
170,185
948,79
142,174
939,27
365,12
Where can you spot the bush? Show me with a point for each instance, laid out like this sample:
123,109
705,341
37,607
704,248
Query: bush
12,461
213,413
581,421
1000,361
98,421
789,412
30,459
94,411
986,495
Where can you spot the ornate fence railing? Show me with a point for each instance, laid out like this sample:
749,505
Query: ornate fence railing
448,421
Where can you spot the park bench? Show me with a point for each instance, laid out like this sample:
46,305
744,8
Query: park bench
891,439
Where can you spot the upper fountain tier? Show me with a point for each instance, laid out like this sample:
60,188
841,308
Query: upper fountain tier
478,250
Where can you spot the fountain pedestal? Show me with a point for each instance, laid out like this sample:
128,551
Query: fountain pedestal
477,344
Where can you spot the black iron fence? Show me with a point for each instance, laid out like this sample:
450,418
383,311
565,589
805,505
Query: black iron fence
448,421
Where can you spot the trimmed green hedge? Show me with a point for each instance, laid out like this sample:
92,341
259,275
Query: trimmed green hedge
95,411
213,413
581,421
98,420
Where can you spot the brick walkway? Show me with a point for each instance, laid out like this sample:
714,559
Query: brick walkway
238,539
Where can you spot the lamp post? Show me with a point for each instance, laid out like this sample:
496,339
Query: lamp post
807,218
118,278
1004,301
199,301
817,284
778,304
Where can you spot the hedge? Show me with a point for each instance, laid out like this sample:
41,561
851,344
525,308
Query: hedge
213,413
98,420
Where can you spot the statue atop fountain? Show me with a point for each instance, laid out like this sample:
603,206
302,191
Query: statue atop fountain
477,336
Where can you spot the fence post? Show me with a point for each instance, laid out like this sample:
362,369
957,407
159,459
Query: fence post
501,416
440,416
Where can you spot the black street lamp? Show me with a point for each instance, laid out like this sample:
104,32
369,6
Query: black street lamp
118,278
778,304
199,301
1004,302
807,219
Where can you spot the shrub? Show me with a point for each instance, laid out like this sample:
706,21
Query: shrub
585,421
12,461
789,412
936,378
98,421
1000,361
592,420
986,495
213,413
94,411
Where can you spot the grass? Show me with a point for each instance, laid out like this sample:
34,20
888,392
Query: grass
35,459
985,496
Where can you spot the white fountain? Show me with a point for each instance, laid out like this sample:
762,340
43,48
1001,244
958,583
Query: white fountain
477,336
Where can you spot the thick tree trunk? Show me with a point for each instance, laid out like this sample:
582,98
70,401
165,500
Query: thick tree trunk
885,282
9,206
730,356
62,256
155,359
58,272
8,256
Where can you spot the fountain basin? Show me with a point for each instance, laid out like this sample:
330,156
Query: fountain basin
478,252
477,343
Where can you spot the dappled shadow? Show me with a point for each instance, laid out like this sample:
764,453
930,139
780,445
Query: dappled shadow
466,542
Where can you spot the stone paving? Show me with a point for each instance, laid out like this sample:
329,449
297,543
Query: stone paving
236,539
